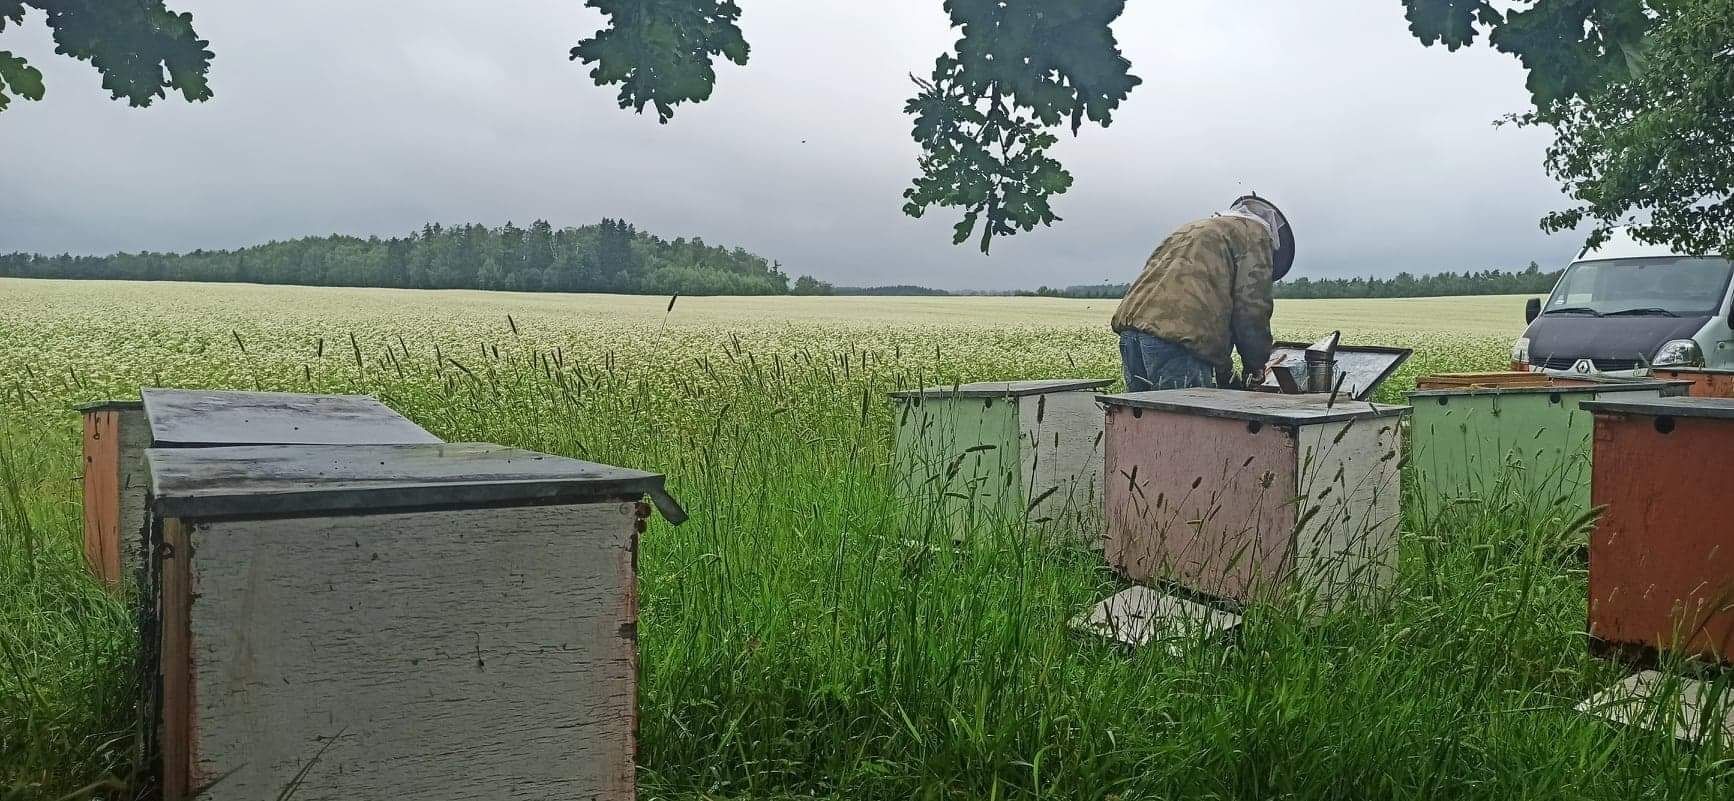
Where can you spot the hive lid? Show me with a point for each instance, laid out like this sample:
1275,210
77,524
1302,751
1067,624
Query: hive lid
109,405
1545,384
271,480
1365,366
1263,407
1717,408
1006,389
195,418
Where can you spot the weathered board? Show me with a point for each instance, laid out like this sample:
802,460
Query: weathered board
1250,499
204,418
1661,557
452,621
1705,382
463,654
1691,710
115,483
1138,616
1001,454
1515,436
117,478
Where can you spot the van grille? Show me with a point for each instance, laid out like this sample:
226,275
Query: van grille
1603,365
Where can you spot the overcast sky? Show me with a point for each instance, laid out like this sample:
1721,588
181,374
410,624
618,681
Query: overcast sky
372,118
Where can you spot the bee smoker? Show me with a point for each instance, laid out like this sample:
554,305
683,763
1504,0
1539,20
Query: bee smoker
1321,363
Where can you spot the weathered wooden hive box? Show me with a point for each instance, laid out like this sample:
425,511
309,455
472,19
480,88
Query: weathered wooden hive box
1247,496
1000,453
1476,434
1705,382
452,621
117,433
1661,558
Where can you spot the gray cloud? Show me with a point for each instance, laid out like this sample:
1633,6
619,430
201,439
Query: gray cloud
372,118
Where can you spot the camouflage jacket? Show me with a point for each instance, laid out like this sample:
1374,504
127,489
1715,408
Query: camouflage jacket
1207,287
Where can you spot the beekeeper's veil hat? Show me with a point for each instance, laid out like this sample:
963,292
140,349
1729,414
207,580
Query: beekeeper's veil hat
1265,210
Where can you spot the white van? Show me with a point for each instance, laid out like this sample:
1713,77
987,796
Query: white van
1626,307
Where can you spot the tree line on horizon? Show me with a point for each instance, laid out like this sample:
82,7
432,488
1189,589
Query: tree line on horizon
611,256
1531,280
614,256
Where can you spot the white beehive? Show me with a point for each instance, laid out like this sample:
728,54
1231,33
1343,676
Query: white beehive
453,621
1003,453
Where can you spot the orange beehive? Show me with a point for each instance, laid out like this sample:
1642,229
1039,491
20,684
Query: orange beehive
1661,560
1706,382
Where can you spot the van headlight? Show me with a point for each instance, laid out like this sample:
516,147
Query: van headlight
1520,352
1679,353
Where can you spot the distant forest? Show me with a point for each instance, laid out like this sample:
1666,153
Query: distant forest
611,256
1403,285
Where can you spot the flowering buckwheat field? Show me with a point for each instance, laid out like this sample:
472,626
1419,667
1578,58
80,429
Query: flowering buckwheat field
800,636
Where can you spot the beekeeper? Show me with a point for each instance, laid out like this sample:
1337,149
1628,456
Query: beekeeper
1206,290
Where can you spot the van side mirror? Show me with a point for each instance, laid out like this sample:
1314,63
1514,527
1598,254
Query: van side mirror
1531,310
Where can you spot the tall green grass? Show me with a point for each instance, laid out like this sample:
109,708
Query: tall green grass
808,635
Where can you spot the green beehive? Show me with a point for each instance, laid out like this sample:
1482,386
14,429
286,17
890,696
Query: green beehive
1498,436
977,456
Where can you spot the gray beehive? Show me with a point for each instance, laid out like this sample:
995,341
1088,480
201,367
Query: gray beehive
453,621
1003,451
116,434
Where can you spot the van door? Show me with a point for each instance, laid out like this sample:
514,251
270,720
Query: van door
1717,337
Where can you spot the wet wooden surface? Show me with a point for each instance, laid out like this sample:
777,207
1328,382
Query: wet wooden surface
102,495
1705,383
208,417
461,654
1264,407
324,479
1711,408
1661,557
1206,502
1245,511
1006,389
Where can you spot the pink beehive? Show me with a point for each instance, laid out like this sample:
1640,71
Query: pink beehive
1246,496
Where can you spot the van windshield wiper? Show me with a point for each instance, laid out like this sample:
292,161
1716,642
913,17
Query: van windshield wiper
1574,310
1644,312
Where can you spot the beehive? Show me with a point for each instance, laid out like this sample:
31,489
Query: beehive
1661,558
1705,382
452,621
115,483
1521,434
116,434
1247,496
1000,453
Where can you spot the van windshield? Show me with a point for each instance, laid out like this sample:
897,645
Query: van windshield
1682,286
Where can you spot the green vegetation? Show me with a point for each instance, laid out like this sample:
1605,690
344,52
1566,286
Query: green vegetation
1638,94
141,48
795,642
611,256
1529,281
905,290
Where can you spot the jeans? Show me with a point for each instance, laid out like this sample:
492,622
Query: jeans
1155,363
